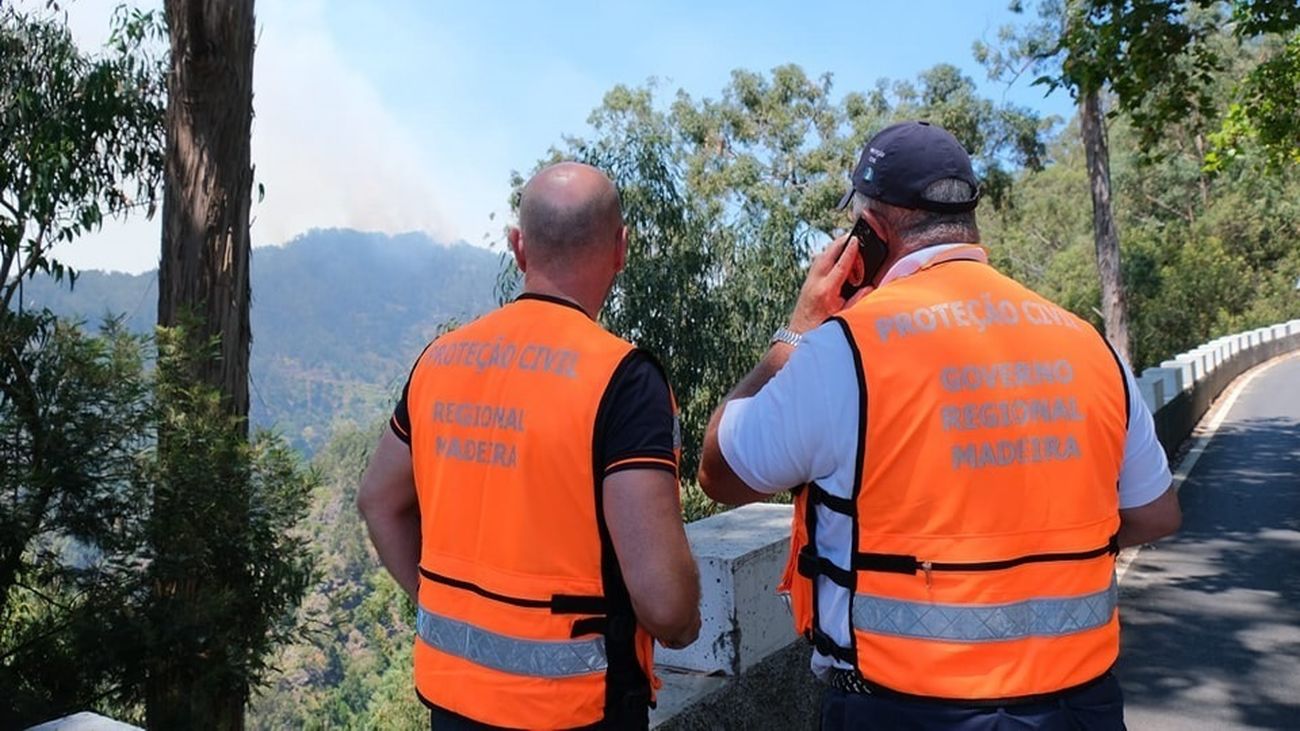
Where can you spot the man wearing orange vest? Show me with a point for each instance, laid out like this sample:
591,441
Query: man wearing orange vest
967,459
526,495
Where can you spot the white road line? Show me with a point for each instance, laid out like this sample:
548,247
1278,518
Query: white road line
1204,433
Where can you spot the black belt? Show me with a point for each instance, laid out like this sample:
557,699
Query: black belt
849,681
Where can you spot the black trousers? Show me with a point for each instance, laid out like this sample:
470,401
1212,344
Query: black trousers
1099,707
441,719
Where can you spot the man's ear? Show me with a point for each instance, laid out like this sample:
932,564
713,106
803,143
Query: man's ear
516,239
620,249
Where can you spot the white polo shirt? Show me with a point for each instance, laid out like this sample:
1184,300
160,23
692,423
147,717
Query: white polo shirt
803,427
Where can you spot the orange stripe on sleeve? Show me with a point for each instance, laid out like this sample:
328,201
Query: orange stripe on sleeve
656,462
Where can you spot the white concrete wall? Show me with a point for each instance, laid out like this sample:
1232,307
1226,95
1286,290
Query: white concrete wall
84,721
741,554
1234,353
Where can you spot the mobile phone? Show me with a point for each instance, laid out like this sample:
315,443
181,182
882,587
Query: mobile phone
873,250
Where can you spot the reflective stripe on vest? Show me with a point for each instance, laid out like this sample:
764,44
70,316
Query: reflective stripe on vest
984,622
534,658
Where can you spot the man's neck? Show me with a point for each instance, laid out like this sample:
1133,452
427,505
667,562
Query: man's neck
535,284
919,257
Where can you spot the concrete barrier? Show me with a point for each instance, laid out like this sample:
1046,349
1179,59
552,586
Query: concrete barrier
1152,389
1192,380
747,653
740,554
777,693
84,721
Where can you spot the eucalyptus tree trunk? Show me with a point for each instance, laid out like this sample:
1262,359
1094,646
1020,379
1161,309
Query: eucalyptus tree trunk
203,273
1114,304
203,285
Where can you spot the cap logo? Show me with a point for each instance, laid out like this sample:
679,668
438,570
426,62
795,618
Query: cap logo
867,174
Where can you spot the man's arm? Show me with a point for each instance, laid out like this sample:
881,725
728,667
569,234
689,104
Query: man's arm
818,299
1159,518
389,506
643,513
716,477
1148,504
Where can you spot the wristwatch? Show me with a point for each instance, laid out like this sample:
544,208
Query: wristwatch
787,336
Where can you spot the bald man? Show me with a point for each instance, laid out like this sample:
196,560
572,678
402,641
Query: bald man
526,493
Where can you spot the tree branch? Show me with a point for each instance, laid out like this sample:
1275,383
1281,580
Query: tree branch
27,268
10,255
48,599
1188,215
34,640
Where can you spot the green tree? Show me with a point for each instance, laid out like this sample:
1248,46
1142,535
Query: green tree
1161,61
74,412
725,200
1264,111
1065,47
223,508
1204,255
80,139
80,136
352,666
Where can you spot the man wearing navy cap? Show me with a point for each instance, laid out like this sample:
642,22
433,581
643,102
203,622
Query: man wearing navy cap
966,457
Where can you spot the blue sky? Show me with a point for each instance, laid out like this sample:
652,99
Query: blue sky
400,115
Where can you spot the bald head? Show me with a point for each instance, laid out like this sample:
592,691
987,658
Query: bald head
566,209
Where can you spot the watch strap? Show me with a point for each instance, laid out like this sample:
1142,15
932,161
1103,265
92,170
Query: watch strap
787,336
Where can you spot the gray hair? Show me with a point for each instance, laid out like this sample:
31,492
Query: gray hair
919,227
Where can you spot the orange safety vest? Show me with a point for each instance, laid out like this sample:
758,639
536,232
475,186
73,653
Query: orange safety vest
523,617
985,506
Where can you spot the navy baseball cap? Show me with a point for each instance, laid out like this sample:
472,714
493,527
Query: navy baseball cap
903,159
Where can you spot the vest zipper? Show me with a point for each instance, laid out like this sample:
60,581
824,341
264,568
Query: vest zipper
897,563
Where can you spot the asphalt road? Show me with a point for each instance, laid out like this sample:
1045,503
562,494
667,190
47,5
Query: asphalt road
1211,617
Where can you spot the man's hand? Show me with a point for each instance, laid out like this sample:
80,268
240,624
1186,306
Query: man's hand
1159,518
819,298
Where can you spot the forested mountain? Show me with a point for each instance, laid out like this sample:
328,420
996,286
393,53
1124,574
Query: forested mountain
338,318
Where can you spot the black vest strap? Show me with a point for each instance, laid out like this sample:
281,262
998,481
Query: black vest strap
558,603
817,495
891,563
574,604
826,646
589,626
811,566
